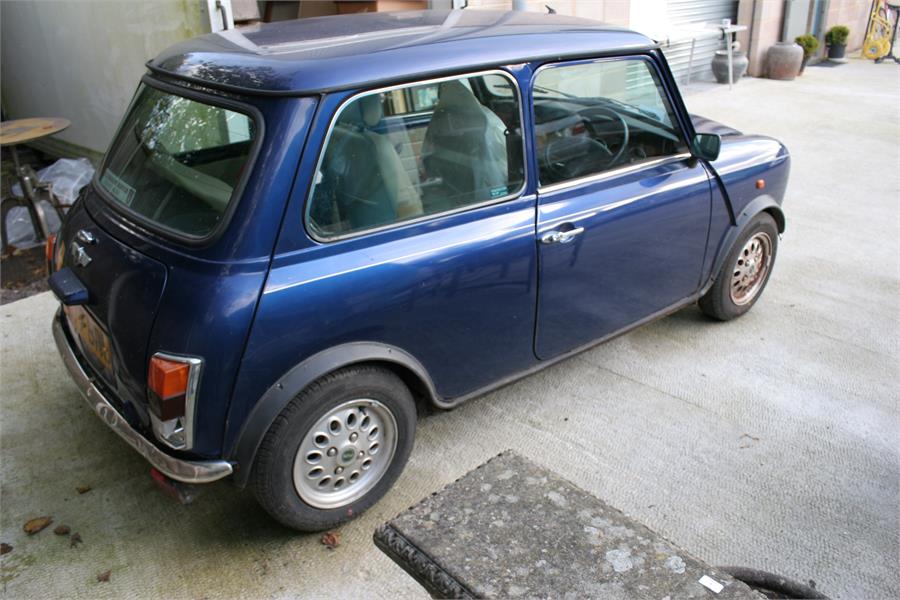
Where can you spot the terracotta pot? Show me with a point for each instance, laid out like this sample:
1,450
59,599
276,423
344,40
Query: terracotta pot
719,65
783,60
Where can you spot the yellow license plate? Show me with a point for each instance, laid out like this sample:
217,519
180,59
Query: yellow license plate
94,342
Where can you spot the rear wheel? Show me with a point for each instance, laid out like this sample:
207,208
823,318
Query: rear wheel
745,272
336,449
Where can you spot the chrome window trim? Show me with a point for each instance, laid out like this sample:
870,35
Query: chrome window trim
190,398
653,162
553,187
310,231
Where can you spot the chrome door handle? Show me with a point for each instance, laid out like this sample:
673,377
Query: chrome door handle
561,237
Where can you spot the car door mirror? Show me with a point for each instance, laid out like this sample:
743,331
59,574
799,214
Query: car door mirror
706,146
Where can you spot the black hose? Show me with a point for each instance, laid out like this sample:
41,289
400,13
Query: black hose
772,585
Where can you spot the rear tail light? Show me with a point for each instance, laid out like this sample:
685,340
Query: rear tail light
172,383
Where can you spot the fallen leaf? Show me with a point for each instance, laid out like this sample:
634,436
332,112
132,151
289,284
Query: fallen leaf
104,576
5,548
75,540
62,530
35,525
331,540
83,489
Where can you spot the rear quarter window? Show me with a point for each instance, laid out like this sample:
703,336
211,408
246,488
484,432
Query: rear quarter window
416,151
176,162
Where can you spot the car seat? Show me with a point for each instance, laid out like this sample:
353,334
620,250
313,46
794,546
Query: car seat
363,174
465,147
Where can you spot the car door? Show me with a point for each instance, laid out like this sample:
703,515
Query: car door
623,208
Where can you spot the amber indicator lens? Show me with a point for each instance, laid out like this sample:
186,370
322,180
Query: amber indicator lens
48,249
167,378
760,184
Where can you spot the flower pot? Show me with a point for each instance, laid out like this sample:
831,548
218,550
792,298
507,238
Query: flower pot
836,50
719,65
784,60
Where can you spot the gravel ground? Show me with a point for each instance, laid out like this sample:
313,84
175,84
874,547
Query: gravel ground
769,442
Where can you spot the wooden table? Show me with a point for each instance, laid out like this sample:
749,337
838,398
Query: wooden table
20,131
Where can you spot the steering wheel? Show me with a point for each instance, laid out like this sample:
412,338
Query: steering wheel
574,156
610,123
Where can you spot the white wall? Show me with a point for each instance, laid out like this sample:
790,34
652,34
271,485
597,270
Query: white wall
83,59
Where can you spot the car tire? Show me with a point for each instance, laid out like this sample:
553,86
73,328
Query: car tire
746,271
336,448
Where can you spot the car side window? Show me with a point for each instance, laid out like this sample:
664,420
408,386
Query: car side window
415,151
592,117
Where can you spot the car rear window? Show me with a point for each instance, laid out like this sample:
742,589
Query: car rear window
176,161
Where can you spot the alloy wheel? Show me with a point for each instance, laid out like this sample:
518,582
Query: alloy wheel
345,454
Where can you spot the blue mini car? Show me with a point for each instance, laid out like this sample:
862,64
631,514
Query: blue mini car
305,231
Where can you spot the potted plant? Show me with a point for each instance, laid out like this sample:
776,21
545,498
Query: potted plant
836,40
810,44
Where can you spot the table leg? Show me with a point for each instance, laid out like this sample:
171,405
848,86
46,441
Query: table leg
38,217
730,64
691,61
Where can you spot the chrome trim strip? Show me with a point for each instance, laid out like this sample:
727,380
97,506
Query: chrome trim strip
397,224
614,173
187,471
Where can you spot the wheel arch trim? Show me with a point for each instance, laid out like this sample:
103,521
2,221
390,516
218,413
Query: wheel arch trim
760,204
277,397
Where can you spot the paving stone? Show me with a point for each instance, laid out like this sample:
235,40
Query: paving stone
510,528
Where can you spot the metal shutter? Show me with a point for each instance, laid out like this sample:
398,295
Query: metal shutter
695,13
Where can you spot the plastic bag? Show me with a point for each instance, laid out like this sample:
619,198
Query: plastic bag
19,229
67,175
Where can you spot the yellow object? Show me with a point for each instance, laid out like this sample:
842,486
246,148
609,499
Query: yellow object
878,34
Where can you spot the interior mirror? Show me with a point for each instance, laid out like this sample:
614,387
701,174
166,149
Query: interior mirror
706,146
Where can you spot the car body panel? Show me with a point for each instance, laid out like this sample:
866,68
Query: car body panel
232,269
453,302
641,250
431,289
124,290
322,54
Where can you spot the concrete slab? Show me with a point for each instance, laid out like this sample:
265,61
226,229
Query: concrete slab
769,442
513,529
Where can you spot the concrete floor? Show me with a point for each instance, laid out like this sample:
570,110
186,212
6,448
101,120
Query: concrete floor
770,442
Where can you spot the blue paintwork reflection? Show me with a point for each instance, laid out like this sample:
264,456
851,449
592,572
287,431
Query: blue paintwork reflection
458,293
311,55
207,303
641,251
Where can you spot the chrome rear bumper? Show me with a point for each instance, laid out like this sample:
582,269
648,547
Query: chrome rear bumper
187,471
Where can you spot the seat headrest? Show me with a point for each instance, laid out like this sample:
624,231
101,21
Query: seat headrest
372,110
455,94
365,112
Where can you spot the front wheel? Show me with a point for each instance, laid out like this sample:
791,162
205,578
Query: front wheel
336,449
745,272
